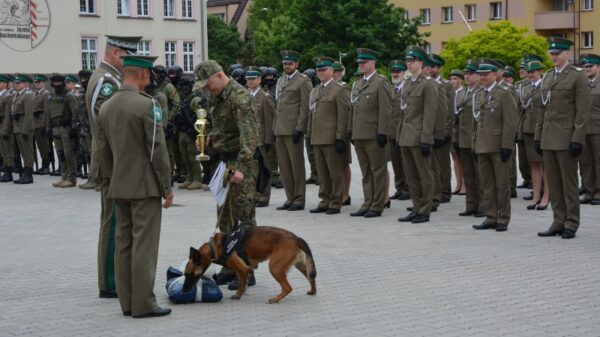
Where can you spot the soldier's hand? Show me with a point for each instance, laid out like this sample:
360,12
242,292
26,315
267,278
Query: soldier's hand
340,146
538,148
168,200
237,177
505,154
297,136
382,140
425,149
575,149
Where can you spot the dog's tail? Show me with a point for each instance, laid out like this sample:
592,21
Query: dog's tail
311,269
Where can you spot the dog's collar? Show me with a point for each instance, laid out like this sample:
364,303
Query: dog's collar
233,243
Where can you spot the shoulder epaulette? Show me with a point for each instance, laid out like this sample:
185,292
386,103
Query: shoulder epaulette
577,68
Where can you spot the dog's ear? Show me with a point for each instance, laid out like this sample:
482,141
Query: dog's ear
195,255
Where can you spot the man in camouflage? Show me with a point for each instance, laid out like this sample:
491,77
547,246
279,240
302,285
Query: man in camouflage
234,140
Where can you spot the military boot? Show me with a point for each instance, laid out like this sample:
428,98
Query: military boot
58,183
26,177
90,184
67,184
44,170
7,176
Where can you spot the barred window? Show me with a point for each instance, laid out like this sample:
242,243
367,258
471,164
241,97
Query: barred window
89,53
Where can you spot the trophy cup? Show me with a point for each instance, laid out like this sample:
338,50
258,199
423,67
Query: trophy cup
200,126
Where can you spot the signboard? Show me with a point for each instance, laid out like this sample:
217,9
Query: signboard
24,24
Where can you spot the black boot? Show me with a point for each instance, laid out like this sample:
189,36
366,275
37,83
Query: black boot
26,176
7,176
44,170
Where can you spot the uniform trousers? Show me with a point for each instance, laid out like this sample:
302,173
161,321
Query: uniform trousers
397,166
330,165
471,179
561,170
65,149
106,239
373,165
419,175
25,143
495,181
290,157
590,166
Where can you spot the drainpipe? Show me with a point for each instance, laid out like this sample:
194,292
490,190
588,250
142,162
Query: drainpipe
506,11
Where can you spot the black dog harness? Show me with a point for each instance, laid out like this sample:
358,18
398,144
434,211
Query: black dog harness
233,243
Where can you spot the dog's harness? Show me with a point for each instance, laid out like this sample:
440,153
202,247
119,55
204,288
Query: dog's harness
233,243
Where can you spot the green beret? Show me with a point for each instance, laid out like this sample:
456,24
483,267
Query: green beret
323,62
437,60
589,59
204,70
253,72
40,77
5,79
366,54
558,44
146,62
397,65
415,52
510,72
535,65
458,73
22,78
486,66
127,43
471,66
71,78
290,55
338,66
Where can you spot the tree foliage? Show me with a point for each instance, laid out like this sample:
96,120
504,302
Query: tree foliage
328,28
224,42
501,40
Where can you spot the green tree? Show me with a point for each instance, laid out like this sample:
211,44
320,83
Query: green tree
224,43
330,27
501,40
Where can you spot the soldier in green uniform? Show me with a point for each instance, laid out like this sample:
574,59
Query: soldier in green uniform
105,81
269,82
85,137
313,179
291,117
523,88
22,118
560,135
338,73
328,129
134,157
590,158
495,112
457,78
397,69
6,134
234,141
40,108
415,135
371,113
62,121
464,137
265,114
184,121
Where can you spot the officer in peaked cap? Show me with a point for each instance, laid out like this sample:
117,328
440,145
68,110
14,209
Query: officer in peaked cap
590,158
104,82
6,136
21,109
40,110
397,69
339,70
560,135
130,122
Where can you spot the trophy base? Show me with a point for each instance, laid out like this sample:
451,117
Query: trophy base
202,157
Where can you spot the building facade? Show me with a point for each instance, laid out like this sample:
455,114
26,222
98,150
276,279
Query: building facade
233,12
577,20
45,36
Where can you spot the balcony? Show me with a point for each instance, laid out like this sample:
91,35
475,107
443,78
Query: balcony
556,20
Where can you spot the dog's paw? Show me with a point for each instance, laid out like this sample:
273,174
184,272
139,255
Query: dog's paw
272,300
311,292
235,297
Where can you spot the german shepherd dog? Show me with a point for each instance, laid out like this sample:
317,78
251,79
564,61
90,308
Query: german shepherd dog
282,248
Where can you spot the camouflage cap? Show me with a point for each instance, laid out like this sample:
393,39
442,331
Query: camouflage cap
204,70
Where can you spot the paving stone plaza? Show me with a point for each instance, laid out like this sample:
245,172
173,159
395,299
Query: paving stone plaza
376,277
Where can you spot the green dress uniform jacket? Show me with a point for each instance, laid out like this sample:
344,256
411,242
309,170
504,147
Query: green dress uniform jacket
265,115
22,111
40,108
590,158
372,108
419,106
292,104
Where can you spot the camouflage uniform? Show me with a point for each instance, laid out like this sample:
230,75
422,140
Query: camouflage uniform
63,116
174,102
184,122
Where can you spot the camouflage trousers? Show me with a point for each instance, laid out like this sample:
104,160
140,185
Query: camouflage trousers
240,205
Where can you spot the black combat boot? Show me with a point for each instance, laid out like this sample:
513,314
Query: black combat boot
26,176
7,176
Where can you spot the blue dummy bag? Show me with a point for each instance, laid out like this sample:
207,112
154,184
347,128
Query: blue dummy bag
206,290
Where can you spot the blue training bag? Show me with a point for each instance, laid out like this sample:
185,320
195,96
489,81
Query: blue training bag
206,290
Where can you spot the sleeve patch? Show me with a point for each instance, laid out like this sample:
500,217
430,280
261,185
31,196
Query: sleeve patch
107,89
157,113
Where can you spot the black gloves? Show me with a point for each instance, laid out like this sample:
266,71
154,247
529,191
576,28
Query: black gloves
340,146
456,148
575,149
425,149
381,140
437,143
73,133
475,157
505,154
538,148
297,136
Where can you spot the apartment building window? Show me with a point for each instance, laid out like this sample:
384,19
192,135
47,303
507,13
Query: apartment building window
143,48
87,7
588,39
561,5
170,54
186,9
88,53
188,56
169,8
142,8
447,14
471,12
123,7
496,10
588,5
427,48
425,16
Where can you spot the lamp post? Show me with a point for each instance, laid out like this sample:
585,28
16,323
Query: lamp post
203,31
341,55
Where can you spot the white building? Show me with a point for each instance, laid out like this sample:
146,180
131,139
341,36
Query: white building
45,36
